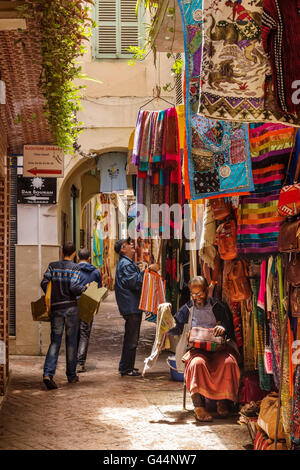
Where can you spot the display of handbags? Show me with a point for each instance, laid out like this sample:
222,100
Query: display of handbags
293,270
237,284
289,199
289,236
204,338
226,240
295,302
221,208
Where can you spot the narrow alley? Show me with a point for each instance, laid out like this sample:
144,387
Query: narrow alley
104,411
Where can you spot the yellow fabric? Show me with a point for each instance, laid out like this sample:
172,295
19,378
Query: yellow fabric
181,123
48,296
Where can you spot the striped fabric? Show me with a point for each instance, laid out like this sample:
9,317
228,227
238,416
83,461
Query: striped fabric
261,441
206,345
258,218
153,292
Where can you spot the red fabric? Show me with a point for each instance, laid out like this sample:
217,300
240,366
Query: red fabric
214,375
285,55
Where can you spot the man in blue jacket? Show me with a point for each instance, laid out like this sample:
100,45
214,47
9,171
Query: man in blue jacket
128,287
88,273
66,289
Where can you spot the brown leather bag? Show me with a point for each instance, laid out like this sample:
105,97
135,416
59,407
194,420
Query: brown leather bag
237,283
226,240
293,271
289,236
221,208
295,302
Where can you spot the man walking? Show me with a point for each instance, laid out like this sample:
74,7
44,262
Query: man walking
128,286
88,273
66,288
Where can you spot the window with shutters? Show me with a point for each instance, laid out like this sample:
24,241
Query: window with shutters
117,29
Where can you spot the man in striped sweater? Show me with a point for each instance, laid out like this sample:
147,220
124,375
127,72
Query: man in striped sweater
66,288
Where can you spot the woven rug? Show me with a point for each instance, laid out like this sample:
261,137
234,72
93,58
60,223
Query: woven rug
258,219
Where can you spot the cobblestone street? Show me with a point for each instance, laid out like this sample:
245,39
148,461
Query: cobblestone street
103,410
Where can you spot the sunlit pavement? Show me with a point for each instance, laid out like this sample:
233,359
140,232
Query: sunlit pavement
103,410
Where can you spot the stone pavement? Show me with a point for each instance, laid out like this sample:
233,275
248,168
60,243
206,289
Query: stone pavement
105,411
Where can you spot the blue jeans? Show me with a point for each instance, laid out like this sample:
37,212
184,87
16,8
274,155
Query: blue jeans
130,342
60,319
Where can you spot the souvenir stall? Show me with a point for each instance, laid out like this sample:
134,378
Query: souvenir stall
241,160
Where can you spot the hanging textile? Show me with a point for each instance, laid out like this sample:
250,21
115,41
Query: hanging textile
153,292
296,409
235,66
165,321
281,39
218,160
259,318
258,219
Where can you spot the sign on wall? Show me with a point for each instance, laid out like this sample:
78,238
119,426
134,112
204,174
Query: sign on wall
36,190
45,161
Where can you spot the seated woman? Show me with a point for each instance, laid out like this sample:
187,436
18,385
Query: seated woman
214,375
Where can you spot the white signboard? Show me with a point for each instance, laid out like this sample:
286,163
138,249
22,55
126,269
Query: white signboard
43,160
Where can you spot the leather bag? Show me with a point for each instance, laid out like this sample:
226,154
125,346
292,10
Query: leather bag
220,207
289,198
293,270
268,416
41,309
289,236
204,338
237,283
226,240
295,302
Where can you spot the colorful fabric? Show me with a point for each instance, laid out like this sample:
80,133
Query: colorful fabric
260,320
261,441
153,292
235,308
296,409
281,40
235,75
258,219
217,161
214,375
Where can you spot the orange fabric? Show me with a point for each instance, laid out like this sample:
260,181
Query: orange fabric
214,375
260,171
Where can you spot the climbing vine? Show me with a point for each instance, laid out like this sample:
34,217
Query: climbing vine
64,25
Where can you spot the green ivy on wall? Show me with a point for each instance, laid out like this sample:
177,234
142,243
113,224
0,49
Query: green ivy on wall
64,25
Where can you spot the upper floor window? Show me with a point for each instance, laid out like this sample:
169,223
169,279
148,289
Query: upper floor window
117,28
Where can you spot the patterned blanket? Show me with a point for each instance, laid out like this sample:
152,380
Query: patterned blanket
236,75
217,161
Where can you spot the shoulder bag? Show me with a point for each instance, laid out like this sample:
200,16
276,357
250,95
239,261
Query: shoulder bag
289,198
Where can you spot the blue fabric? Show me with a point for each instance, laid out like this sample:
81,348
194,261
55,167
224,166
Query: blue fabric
88,274
63,319
128,286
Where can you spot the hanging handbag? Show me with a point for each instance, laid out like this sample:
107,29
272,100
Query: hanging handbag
289,236
41,309
237,284
226,240
204,338
289,198
295,302
220,207
293,270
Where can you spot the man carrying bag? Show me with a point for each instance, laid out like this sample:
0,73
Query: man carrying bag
66,288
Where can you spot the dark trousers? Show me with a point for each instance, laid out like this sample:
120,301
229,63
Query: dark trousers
83,341
130,342
63,319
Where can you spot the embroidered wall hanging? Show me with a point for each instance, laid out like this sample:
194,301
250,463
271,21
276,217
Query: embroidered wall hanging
235,67
217,161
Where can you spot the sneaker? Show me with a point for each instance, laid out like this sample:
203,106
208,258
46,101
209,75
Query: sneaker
50,384
81,368
74,380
